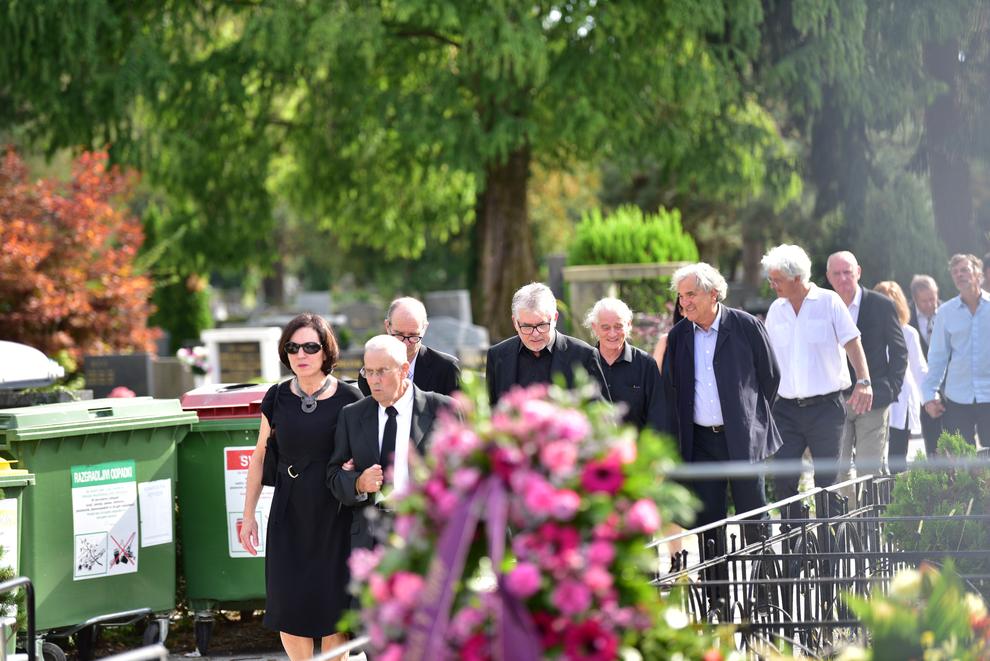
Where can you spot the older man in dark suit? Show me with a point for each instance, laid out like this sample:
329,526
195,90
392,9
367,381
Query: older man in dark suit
924,295
720,378
376,436
865,433
538,352
429,369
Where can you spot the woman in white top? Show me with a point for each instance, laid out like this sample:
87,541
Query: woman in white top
905,412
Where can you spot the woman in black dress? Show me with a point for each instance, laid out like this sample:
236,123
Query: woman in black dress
308,534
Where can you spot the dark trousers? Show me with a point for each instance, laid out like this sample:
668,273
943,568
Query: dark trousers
969,420
747,494
897,447
817,427
931,429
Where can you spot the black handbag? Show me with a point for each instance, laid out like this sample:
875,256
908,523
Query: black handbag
270,468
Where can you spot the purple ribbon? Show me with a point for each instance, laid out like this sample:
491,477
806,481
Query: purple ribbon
516,638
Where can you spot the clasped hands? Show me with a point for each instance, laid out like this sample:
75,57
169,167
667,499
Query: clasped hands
369,481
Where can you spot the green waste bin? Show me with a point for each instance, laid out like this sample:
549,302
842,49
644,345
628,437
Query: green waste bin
213,460
98,523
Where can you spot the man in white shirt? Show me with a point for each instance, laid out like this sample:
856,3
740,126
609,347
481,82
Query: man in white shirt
809,327
379,433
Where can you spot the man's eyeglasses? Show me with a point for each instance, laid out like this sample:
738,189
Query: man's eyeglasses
527,329
380,372
411,339
308,347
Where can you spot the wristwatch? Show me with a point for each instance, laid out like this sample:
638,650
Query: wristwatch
863,382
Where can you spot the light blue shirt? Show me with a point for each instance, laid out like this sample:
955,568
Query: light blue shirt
707,406
959,353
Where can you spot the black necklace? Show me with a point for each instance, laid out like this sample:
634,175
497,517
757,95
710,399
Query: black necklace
309,401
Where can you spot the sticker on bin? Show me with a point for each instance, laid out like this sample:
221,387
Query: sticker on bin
235,468
8,534
104,520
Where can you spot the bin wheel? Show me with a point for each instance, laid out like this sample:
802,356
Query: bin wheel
51,652
204,631
85,640
152,633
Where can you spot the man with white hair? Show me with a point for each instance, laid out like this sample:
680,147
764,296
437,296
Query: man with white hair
429,369
924,295
631,374
538,352
720,377
809,327
378,433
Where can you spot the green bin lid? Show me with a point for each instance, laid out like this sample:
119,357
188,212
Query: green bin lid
91,416
18,480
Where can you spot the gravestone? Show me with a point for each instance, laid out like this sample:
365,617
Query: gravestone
133,371
455,303
317,302
349,363
172,379
239,355
362,317
456,337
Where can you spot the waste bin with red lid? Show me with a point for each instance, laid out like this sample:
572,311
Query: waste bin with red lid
212,462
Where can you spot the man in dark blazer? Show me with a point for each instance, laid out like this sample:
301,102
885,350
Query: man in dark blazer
720,378
924,296
538,352
865,434
429,369
376,437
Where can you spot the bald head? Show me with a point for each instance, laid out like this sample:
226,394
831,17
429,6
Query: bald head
843,273
406,320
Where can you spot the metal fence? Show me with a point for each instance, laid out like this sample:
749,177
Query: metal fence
781,581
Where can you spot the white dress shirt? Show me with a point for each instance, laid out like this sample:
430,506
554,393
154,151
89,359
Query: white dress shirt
905,413
809,345
403,430
854,306
925,325
412,366
707,406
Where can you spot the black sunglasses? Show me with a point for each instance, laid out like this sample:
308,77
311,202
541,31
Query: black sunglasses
308,347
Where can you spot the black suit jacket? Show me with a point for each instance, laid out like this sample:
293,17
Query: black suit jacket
436,371
357,439
883,344
568,353
746,375
917,326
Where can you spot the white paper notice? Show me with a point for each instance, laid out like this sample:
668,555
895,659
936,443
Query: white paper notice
8,533
235,468
155,505
104,520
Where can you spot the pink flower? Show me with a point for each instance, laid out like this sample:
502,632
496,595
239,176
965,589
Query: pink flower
476,648
465,478
597,578
601,552
559,457
362,562
603,476
524,580
551,629
506,460
403,527
538,495
392,614
607,529
392,653
564,504
538,413
571,597
379,588
590,641
122,392
571,425
643,517
406,587
624,449
465,622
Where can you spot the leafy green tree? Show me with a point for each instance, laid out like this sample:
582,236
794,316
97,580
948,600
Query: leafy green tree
392,124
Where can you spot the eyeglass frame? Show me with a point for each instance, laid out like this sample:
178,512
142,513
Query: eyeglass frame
305,347
379,372
529,329
411,339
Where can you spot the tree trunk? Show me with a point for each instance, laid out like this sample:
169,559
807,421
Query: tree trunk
504,243
948,169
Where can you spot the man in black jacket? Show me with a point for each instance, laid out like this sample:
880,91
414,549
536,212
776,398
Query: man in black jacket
378,435
538,352
429,369
865,434
924,295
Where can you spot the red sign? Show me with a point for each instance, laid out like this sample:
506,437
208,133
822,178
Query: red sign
238,460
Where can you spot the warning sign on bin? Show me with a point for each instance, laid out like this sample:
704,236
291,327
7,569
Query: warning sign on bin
235,469
104,520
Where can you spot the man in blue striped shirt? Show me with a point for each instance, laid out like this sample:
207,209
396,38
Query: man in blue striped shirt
959,355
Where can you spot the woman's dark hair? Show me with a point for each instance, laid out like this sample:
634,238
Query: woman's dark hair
678,314
331,351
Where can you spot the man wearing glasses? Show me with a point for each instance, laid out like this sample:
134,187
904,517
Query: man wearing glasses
538,352
378,434
430,370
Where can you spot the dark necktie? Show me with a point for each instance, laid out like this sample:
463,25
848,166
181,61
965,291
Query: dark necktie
388,439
